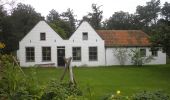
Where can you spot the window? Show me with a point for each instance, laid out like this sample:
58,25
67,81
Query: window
76,53
42,36
154,53
142,52
85,36
46,53
30,54
92,53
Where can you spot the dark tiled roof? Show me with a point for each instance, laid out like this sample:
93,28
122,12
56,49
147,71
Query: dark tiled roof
124,37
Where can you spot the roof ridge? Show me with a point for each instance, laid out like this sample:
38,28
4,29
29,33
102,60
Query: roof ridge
119,30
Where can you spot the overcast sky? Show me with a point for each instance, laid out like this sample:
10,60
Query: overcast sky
82,7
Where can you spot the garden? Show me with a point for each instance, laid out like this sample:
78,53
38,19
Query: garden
147,82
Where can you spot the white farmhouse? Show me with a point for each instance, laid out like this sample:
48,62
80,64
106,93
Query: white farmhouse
88,47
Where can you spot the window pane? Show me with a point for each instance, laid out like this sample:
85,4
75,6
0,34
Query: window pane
143,52
93,53
76,53
30,54
154,53
46,53
85,36
42,36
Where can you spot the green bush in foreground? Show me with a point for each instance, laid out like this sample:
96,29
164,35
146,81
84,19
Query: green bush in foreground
60,91
143,95
148,95
14,84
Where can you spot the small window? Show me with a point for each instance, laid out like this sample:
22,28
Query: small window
46,53
93,53
142,52
85,36
42,36
30,54
154,53
76,53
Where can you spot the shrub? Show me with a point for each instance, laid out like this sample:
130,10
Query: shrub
148,95
60,91
14,84
138,59
143,95
121,54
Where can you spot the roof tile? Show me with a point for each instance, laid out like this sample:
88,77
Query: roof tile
124,37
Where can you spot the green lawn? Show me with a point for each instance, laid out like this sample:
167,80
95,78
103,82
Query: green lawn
106,80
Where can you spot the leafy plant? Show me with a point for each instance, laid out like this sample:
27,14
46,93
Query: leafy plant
138,59
60,91
121,55
14,84
148,95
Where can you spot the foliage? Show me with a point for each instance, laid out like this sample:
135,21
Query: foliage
121,55
60,91
95,17
14,85
161,37
166,11
138,59
56,26
52,16
148,14
122,20
148,95
63,24
143,95
69,17
16,25
2,45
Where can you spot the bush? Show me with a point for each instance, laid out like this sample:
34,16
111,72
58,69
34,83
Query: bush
60,91
14,84
138,59
147,95
143,95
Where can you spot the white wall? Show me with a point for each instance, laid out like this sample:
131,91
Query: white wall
93,40
160,59
32,39
112,60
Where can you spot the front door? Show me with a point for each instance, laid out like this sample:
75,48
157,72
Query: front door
60,55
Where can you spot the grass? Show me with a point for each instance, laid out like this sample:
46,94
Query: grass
106,80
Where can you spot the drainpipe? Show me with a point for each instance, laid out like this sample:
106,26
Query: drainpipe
105,57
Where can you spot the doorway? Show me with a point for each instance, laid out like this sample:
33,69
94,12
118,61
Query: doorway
60,55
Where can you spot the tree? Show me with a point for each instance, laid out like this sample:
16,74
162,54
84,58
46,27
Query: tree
69,17
165,11
122,20
18,24
3,14
95,17
52,16
63,24
148,14
57,27
161,37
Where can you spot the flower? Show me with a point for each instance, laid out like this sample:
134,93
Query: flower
112,96
118,92
2,45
